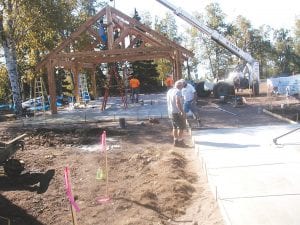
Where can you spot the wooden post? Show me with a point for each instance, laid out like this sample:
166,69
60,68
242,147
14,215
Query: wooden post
94,86
52,86
178,72
76,83
174,70
110,31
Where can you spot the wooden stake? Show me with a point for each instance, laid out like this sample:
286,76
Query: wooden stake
70,195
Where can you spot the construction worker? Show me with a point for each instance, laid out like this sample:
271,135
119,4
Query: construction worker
134,84
169,82
190,100
176,113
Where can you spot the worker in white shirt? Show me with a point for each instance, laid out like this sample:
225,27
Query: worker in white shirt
190,100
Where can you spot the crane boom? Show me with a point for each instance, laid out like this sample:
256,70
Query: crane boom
217,37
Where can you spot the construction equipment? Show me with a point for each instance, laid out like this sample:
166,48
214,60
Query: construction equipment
12,167
113,73
247,77
83,89
41,101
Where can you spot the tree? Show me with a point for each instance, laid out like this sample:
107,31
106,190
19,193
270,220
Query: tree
212,52
8,43
167,27
284,51
297,37
191,41
29,28
4,84
145,70
297,46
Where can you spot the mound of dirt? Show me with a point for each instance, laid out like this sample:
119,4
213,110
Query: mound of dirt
147,180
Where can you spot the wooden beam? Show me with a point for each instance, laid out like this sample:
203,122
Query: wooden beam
121,58
132,42
178,66
94,86
95,35
152,32
110,30
106,53
144,37
75,71
52,86
121,39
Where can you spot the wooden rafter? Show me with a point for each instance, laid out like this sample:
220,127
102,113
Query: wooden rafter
95,35
128,25
152,32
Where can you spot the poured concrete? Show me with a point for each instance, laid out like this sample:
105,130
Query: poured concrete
255,181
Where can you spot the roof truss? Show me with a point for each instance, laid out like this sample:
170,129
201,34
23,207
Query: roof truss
127,40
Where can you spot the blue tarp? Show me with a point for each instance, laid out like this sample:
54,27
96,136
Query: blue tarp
285,85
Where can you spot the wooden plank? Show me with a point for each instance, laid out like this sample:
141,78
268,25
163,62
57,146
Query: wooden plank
20,137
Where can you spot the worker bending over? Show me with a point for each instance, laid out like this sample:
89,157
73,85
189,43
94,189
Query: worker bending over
190,100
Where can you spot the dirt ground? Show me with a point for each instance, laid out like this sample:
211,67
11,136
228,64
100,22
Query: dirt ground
147,180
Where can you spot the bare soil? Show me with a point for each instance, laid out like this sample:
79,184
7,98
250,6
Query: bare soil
148,181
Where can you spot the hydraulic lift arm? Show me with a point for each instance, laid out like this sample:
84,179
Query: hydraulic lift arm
217,37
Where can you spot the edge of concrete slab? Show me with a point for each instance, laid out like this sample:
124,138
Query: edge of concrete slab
279,117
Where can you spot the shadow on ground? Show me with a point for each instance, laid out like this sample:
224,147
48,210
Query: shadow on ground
29,181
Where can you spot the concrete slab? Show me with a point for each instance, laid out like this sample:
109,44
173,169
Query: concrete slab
254,180
270,210
150,106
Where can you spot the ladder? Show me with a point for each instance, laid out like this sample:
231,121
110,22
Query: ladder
113,72
83,89
40,95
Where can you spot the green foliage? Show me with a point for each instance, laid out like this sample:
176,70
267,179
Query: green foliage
284,51
167,27
217,56
164,68
297,37
145,71
5,93
191,40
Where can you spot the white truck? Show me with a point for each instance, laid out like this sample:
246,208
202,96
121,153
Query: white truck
245,78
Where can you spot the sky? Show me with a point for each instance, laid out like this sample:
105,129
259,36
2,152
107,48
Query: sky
277,14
